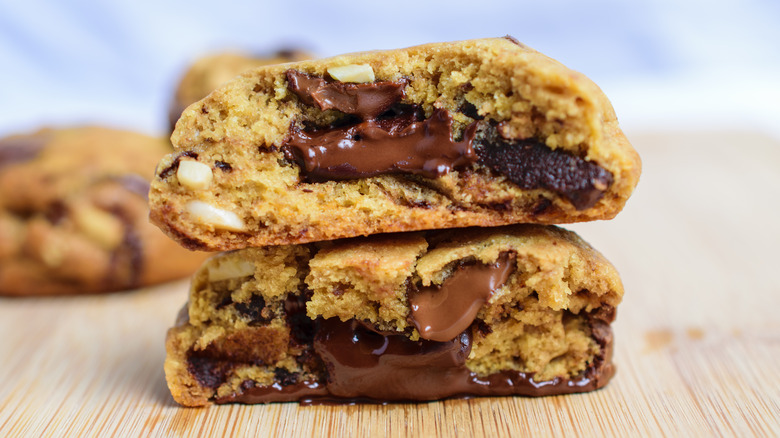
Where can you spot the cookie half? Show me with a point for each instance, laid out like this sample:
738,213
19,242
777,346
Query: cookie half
74,214
473,133
516,310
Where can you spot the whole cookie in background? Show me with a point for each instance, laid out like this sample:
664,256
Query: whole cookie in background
74,214
210,71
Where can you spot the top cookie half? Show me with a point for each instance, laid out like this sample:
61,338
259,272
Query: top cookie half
473,133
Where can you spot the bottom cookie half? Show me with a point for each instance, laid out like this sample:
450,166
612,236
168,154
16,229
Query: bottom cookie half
521,310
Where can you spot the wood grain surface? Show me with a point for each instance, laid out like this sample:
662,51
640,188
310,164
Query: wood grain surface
697,335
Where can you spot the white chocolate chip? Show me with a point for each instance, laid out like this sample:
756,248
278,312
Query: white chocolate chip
194,175
209,215
230,267
357,73
100,226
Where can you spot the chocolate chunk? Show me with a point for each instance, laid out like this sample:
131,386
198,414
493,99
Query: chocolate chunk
134,183
377,147
301,326
223,166
207,371
20,149
532,165
253,310
468,109
441,313
364,100
284,377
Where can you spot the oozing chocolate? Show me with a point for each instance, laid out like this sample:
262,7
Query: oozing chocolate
364,100
378,145
362,363
368,366
441,313
374,147
532,165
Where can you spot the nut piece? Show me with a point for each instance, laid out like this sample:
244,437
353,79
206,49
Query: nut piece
357,73
224,268
101,227
194,175
209,215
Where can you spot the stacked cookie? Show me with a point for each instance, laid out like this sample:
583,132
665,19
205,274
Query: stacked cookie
388,216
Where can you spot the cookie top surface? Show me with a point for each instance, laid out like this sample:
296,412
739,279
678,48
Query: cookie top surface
74,213
210,71
472,133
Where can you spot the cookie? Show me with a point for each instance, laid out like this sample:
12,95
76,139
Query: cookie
210,71
74,214
514,310
474,133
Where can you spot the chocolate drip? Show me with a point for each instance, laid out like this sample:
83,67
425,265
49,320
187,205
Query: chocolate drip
303,392
440,313
362,363
364,366
532,165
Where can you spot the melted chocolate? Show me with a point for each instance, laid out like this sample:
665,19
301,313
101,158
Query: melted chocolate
441,313
300,391
532,165
364,100
377,147
362,363
364,366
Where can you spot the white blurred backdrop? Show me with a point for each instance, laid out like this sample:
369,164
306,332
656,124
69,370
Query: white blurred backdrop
664,64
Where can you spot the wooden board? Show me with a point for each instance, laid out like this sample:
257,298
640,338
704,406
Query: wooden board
697,336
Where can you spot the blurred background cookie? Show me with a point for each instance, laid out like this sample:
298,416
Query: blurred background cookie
74,215
210,71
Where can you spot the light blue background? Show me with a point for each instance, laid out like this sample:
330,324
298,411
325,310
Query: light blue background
664,64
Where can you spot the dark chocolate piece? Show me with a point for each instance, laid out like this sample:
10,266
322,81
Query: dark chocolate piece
441,313
21,149
134,183
532,165
223,166
253,310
